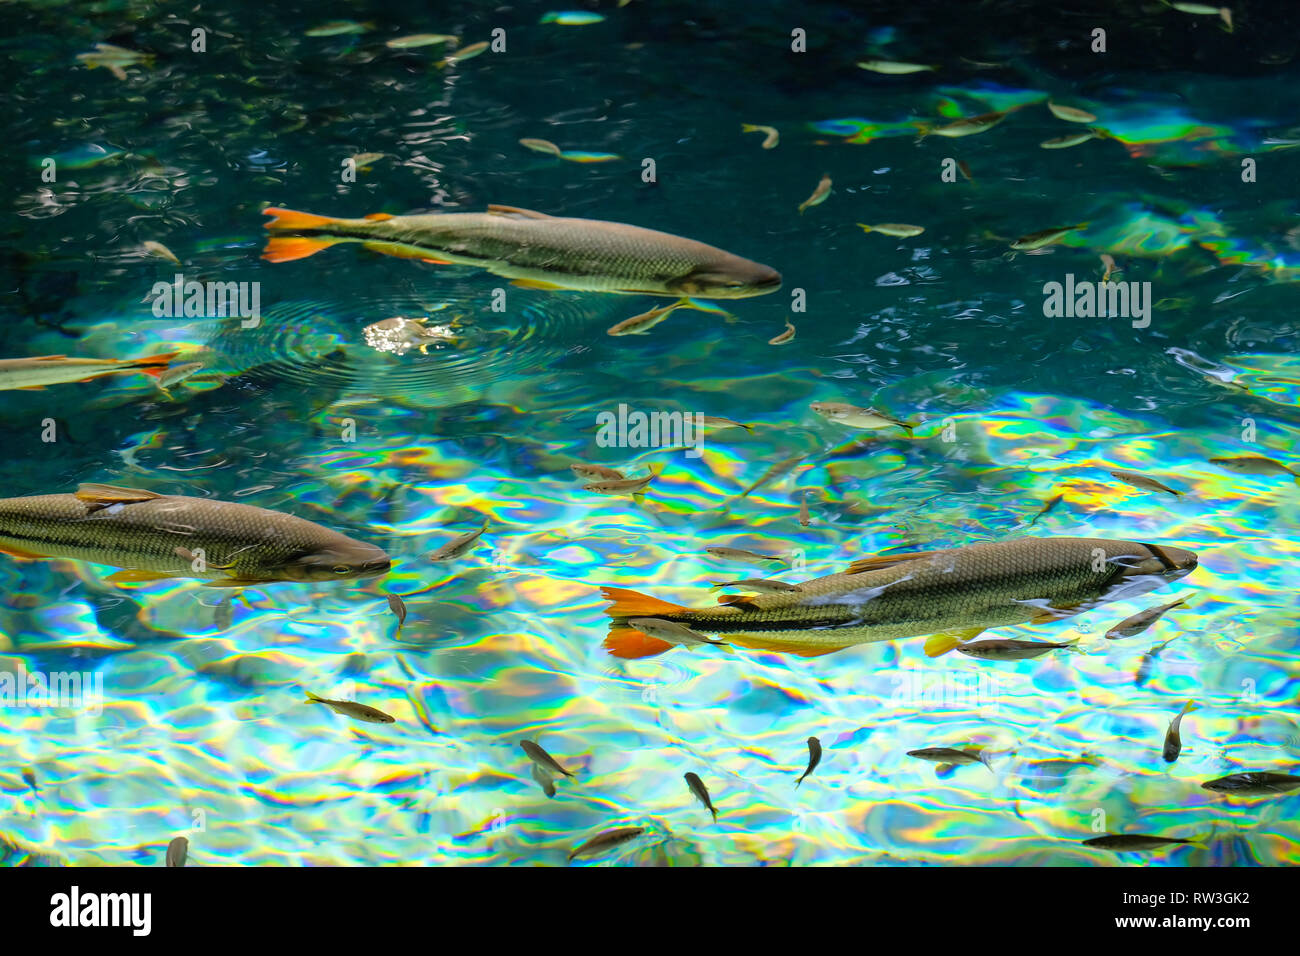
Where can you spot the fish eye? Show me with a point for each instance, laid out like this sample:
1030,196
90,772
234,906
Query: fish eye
341,569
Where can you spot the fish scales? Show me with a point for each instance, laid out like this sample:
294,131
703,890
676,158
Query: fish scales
584,254
987,585
146,534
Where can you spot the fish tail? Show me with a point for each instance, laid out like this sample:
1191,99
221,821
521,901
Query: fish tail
908,427
656,469
629,643
863,226
940,644
288,248
634,604
1190,706
312,698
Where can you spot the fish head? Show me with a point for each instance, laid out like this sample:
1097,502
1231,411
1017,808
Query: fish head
729,278
1163,561
343,561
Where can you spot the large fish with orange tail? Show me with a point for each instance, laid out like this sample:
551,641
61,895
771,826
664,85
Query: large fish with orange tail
535,251
43,370
954,593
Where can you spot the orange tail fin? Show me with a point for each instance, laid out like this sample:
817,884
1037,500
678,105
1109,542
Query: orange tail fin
628,643
286,249
287,220
154,365
634,604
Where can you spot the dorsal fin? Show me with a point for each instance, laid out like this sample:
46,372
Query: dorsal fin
495,210
95,493
876,562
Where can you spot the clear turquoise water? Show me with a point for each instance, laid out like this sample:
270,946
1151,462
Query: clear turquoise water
202,729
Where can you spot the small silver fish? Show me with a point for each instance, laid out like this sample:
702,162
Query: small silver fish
1046,509
855,417
948,757
770,140
1139,622
671,632
1143,482
544,760
1044,237
177,852
759,585
814,758
899,230
1006,649
1070,114
701,793
606,840
1128,842
819,194
597,473
627,486
717,421
1254,783
1173,736
748,557
544,780
398,607
804,518
784,337
350,708
1255,465
457,546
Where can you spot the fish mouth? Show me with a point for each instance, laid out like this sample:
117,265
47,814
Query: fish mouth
372,569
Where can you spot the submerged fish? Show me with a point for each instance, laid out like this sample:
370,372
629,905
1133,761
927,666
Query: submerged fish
776,471
544,780
819,194
596,473
1070,114
960,590
606,840
1148,659
338,28
701,793
1173,736
153,536
158,249
670,632
1128,842
1046,509
995,650
948,757
718,421
458,545
1255,465
1254,783
814,758
1139,622
541,146
625,486
398,607
43,370
1143,482
415,40
542,759
770,140
804,518
464,53
1074,139
350,708
759,586
535,250
854,417
892,68
643,323
969,125
784,337
1044,237
747,557
898,230
177,852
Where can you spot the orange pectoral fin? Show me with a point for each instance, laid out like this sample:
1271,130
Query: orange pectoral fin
536,284
138,577
379,216
289,248
154,365
20,554
627,643
288,220
634,604
759,643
